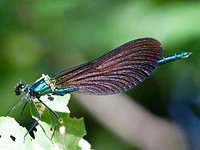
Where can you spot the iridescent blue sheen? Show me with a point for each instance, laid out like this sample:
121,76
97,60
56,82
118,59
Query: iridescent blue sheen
174,57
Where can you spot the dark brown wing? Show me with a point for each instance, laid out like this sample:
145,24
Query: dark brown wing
118,70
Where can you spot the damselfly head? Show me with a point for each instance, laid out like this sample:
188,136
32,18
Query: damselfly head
20,88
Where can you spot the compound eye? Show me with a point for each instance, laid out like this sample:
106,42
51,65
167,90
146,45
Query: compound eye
19,88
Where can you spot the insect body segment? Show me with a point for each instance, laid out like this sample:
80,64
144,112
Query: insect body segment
41,88
46,86
174,57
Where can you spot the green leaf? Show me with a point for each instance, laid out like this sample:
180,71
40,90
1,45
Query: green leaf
68,134
12,136
69,131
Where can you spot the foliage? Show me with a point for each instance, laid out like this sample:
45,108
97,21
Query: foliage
68,134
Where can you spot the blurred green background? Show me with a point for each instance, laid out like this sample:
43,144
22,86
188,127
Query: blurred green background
44,37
